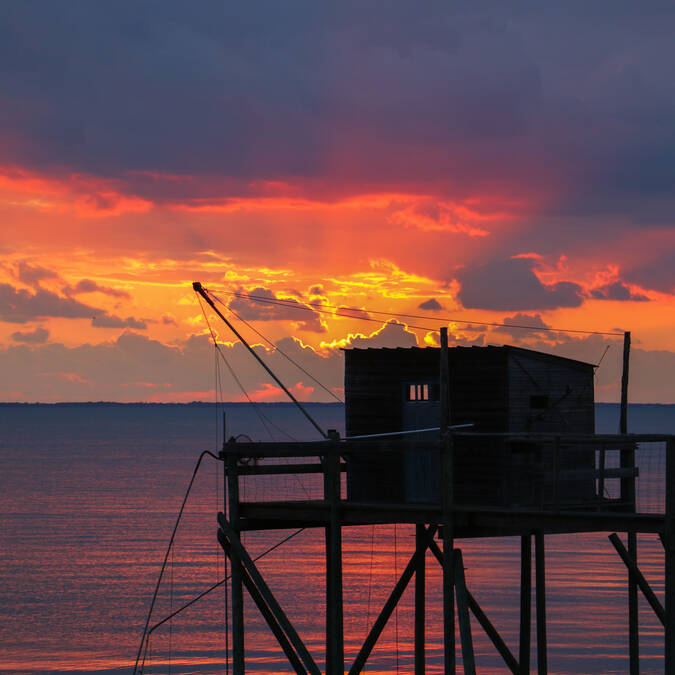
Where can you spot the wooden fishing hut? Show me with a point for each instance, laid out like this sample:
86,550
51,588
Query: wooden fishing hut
529,466
496,390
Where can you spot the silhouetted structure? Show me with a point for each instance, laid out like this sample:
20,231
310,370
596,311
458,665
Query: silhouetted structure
530,466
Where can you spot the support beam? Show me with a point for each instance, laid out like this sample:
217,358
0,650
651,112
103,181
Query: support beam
389,606
271,621
628,495
468,658
448,566
238,653
481,617
640,581
669,546
540,599
420,599
248,564
525,602
334,616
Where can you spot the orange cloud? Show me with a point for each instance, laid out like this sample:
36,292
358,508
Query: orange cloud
80,195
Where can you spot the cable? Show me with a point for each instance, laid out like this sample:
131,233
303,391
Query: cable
281,351
168,550
229,367
203,594
296,305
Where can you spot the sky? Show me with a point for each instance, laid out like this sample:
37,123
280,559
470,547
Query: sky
463,163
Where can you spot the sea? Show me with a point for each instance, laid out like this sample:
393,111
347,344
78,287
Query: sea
89,495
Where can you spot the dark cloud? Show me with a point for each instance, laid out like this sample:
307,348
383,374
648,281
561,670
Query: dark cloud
111,321
90,286
32,275
522,326
617,290
511,284
20,305
658,273
268,307
272,91
134,367
353,312
37,336
431,304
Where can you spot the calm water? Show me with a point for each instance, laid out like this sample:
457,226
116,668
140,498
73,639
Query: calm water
89,496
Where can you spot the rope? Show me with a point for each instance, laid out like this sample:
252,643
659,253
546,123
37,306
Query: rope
168,550
203,594
281,351
234,375
445,319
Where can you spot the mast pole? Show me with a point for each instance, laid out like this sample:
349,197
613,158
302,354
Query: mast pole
199,289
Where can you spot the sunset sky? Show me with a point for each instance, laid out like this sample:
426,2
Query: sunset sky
467,163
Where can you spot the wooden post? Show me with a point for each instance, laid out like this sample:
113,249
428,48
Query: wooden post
447,497
525,602
420,599
669,546
540,590
448,544
623,422
333,532
482,619
444,382
628,494
238,653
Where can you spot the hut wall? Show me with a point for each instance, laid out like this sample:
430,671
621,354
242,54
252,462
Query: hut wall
549,394
497,389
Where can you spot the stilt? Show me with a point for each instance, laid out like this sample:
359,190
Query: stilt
540,596
448,566
669,546
481,617
525,602
628,495
447,500
238,653
334,619
420,598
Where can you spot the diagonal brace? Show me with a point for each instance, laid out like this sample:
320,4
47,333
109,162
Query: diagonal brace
274,607
276,629
642,583
483,620
390,605
462,594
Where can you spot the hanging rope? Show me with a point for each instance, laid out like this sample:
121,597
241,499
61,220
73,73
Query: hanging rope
205,453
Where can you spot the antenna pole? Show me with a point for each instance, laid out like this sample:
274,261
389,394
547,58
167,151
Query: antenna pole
199,289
